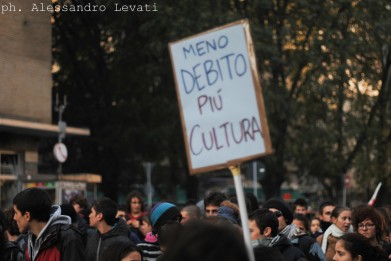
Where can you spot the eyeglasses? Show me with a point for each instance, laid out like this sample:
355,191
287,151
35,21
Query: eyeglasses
365,226
277,213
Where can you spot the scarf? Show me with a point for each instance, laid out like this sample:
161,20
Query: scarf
290,231
332,230
261,242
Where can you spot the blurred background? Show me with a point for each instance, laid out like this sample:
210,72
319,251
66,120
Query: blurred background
101,83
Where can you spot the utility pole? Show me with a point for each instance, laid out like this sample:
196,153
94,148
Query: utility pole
60,151
148,166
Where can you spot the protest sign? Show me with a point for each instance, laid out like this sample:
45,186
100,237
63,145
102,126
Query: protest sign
220,99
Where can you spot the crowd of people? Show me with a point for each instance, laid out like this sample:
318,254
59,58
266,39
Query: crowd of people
33,230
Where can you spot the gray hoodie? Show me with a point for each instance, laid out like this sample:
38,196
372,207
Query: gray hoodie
55,218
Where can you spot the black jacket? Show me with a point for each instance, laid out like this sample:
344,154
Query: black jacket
97,243
58,241
309,246
284,245
13,252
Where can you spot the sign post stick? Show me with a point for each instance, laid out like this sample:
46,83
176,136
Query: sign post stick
235,170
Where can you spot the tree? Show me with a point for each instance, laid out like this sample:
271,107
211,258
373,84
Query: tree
325,68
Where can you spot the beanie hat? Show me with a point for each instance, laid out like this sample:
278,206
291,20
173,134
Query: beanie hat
162,213
282,206
227,213
150,238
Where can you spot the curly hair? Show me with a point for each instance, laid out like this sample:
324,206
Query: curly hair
357,244
364,212
134,194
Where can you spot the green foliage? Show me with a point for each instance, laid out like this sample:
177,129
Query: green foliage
314,58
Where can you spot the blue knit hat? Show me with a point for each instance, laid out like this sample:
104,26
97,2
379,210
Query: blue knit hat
162,213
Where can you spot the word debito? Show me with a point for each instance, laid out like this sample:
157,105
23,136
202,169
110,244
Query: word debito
219,96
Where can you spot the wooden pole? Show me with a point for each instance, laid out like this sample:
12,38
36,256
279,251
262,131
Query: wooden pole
235,170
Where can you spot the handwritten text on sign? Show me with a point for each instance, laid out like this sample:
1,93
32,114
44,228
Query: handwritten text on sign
217,97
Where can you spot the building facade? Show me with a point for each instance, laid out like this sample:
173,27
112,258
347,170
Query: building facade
26,101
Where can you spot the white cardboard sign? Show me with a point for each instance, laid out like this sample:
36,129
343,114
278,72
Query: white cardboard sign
220,98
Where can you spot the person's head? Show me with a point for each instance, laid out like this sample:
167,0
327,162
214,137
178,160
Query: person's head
3,223
121,251
281,210
325,210
145,225
251,202
103,210
190,212
341,217
79,202
263,223
200,240
10,224
121,213
134,203
352,246
300,206
386,213
69,210
301,221
229,210
32,204
162,213
212,203
228,213
168,234
315,225
369,222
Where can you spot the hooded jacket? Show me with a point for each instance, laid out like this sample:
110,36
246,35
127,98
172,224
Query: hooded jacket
57,241
290,253
304,242
97,242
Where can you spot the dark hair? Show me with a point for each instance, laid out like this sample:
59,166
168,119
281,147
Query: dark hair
35,201
357,244
325,204
199,240
386,213
108,208
338,210
250,200
145,219
118,250
265,218
11,225
300,202
69,210
304,219
214,199
362,213
134,194
80,200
